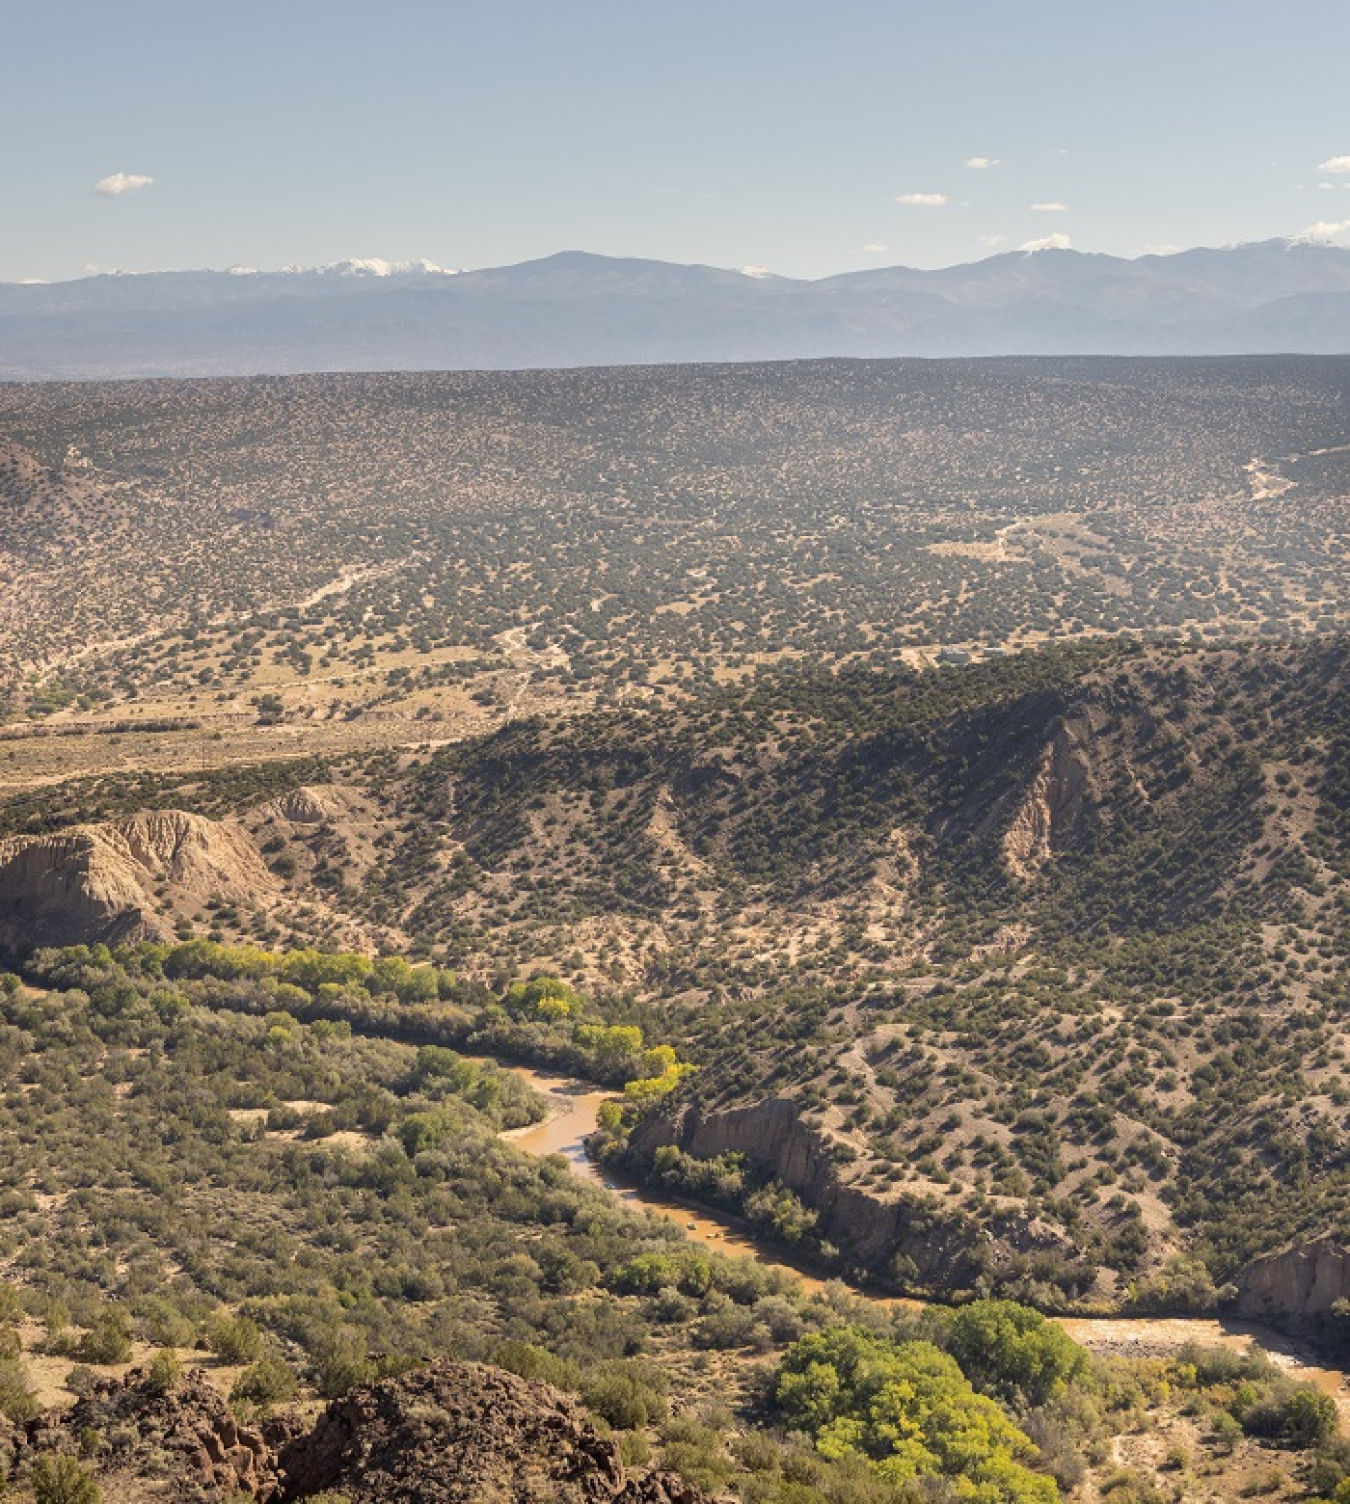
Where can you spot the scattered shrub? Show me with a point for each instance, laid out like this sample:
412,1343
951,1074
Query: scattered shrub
63,1480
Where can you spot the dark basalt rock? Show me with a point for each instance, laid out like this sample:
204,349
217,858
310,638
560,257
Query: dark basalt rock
184,1441
452,1433
463,1433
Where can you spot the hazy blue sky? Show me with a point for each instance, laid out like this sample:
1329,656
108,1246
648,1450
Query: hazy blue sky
729,133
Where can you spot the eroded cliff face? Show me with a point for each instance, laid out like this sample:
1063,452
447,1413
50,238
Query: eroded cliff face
1052,805
313,804
118,881
1295,1286
948,1249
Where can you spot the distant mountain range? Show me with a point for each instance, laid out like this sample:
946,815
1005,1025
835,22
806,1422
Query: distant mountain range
576,309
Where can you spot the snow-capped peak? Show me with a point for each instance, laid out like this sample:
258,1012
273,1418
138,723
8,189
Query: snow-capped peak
374,266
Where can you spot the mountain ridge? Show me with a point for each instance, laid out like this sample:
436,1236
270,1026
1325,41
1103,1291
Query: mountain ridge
576,308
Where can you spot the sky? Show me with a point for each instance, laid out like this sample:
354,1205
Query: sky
807,138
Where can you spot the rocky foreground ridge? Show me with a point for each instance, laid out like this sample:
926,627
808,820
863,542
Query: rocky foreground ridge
452,1433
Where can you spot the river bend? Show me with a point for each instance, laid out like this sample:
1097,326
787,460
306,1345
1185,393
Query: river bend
574,1108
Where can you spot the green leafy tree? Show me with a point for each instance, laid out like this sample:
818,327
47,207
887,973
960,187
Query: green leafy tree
341,1362
409,984
18,1401
108,1341
613,1046
311,969
543,997
1013,1352
164,1371
909,1410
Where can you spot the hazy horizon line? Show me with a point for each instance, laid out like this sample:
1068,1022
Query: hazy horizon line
378,268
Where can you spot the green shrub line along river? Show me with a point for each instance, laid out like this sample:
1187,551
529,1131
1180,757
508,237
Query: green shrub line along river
573,1110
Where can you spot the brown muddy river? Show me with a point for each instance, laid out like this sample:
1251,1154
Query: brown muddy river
575,1107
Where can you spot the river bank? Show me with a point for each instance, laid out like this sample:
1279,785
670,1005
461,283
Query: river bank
574,1108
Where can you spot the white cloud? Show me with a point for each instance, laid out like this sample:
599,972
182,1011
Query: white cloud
758,272
1334,164
1049,208
980,163
1056,242
1325,229
875,248
993,241
118,183
923,200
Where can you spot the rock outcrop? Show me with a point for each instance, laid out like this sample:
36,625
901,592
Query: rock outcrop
1295,1286
312,804
181,1443
452,1433
92,883
25,482
462,1433
947,1249
1051,807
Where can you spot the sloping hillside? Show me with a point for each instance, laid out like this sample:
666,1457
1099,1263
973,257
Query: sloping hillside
862,821
1042,957
1060,940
